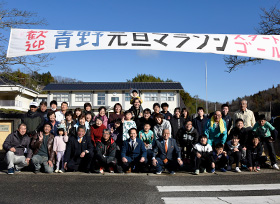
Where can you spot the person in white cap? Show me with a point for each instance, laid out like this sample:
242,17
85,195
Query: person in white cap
33,120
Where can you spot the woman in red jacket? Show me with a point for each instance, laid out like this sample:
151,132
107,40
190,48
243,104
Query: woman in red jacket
97,130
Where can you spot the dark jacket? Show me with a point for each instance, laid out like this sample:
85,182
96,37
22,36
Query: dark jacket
34,122
136,112
228,120
43,114
229,148
19,143
36,144
167,116
253,154
176,124
74,148
106,151
113,117
242,135
70,128
173,152
199,124
187,138
138,151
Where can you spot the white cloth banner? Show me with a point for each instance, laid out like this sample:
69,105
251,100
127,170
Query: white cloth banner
30,42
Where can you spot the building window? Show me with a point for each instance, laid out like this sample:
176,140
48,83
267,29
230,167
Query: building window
151,97
127,97
82,97
101,99
115,99
61,97
169,96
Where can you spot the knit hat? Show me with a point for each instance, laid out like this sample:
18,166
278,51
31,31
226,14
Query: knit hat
61,126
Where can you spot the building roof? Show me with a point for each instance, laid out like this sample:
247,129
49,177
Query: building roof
4,82
106,86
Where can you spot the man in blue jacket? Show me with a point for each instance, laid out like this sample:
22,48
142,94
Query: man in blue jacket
167,153
134,153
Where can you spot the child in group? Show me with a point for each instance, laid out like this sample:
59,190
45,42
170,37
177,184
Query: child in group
234,150
267,134
147,136
59,147
202,155
254,155
220,158
116,132
127,125
134,94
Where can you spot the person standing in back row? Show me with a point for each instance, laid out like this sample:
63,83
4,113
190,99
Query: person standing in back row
200,121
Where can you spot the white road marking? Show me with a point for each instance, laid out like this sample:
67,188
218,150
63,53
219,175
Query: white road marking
223,200
247,187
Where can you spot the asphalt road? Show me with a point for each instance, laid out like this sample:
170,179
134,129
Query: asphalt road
26,187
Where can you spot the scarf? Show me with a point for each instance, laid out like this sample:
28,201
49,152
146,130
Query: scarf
221,124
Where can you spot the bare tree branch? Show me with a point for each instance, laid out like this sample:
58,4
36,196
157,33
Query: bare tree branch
269,25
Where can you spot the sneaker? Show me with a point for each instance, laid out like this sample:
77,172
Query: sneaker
237,170
56,171
17,170
204,171
213,171
244,166
158,172
111,170
101,170
275,166
196,172
223,170
258,168
60,171
229,168
172,172
11,171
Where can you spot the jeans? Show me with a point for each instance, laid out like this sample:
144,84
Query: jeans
38,160
15,161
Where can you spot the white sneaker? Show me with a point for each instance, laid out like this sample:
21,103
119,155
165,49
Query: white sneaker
158,172
56,171
196,172
275,166
60,171
237,170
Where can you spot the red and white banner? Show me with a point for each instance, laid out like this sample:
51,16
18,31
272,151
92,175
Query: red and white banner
30,42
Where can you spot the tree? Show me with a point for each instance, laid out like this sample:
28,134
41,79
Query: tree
269,25
14,18
188,100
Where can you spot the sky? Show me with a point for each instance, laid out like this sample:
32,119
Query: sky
184,16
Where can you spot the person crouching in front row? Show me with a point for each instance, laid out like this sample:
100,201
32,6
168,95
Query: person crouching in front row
79,152
167,154
202,155
134,153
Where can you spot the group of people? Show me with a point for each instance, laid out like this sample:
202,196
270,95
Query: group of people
138,140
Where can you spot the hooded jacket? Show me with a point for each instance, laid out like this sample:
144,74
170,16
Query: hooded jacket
106,151
158,128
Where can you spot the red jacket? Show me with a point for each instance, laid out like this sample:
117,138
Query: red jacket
96,133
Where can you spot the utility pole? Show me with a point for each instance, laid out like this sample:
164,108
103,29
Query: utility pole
206,86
